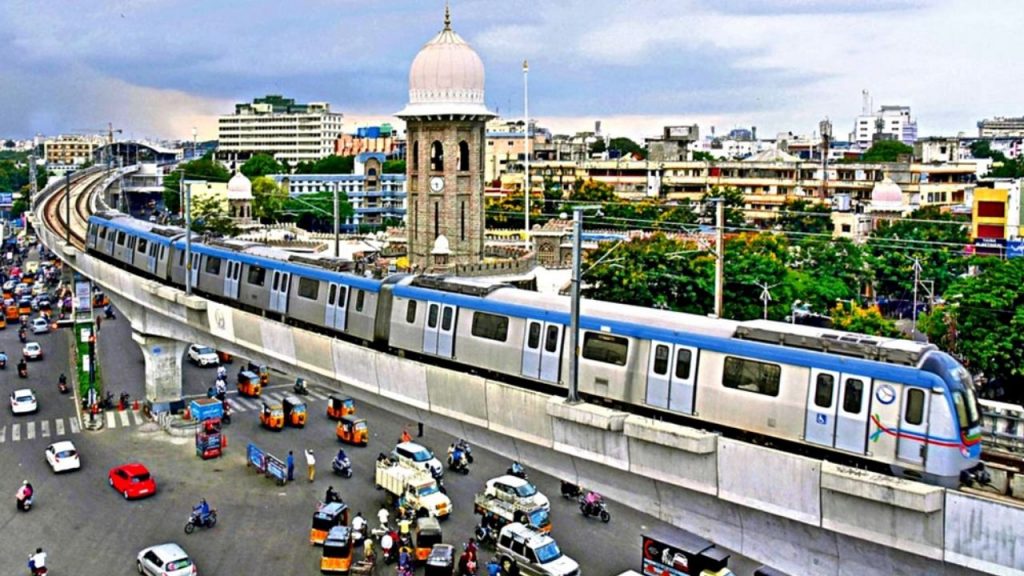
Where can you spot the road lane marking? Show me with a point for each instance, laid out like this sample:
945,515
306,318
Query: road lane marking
123,416
59,426
111,419
75,426
15,433
317,395
45,428
30,430
3,434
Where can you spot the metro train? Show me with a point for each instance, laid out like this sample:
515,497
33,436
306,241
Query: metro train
881,402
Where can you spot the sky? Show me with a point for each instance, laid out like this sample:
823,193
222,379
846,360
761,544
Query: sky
158,68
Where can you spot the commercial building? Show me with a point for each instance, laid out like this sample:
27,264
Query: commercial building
279,127
383,139
506,146
75,150
1001,127
888,123
377,199
997,211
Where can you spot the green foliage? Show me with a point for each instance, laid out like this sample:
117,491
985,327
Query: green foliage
316,210
507,211
805,217
598,146
268,199
593,191
209,215
329,165
863,320
886,151
828,270
205,168
939,247
627,147
702,156
261,165
393,167
750,261
734,203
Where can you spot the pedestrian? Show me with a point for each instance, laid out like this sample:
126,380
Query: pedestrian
291,466
368,550
382,517
99,320
311,463
406,437
419,431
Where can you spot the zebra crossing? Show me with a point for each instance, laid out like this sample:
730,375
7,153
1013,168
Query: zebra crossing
244,403
27,430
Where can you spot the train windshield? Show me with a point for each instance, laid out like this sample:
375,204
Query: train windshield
966,404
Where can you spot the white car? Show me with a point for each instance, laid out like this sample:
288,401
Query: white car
413,455
40,326
62,456
32,351
165,560
514,489
23,401
202,355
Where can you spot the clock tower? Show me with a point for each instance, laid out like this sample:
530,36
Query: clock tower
445,138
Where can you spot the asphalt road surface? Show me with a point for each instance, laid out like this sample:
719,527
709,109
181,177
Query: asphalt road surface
87,528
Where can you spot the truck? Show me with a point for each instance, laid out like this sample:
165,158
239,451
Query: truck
681,553
508,499
411,488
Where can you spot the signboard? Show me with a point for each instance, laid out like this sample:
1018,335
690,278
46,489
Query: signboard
83,296
6,199
690,132
1015,248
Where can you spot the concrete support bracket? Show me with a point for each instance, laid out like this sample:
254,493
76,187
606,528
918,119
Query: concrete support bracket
888,490
671,435
590,415
590,432
163,366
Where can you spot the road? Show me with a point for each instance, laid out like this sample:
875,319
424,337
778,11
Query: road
263,529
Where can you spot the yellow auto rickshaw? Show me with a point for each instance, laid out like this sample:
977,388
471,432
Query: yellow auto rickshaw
352,430
325,519
427,533
28,278
3,317
249,384
272,416
294,412
11,309
337,557
339,406
263,370
25,305
99,299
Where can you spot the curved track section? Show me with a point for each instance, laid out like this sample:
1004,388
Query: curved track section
55,207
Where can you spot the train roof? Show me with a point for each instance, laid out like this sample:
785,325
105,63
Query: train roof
890,350
123,222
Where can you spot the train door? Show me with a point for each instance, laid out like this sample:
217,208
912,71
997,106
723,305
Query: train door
109,243
822,401
551,354
231,276
152,251
334,313
531,349
670,385
279,292
430,326
914,420
193,271
446,332
852,415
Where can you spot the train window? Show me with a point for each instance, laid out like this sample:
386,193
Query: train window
752,376
605,348
823,389
142,245
309,288
661,359
360,297
534,341
446,319
853,396
551,342
961,410
213,265
914,414
683,364
120,238
410,312
181,258
103,233
491,326
332,294
256,276
432,316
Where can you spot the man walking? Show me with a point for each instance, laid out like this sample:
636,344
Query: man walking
291,466
311,463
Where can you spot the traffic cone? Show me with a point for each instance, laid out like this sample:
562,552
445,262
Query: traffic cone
135,405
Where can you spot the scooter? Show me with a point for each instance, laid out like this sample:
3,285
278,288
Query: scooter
41,571
517,470
194,521
22,335
62,385
467,450
24,504
300,387
342,467
596,508
3,362
458,462
23,369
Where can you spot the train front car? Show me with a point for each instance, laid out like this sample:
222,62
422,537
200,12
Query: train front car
954,441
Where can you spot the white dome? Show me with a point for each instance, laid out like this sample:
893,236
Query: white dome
441,246
887,195
239,187
446,77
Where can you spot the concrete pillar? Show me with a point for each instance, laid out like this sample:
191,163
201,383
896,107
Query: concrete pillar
163,366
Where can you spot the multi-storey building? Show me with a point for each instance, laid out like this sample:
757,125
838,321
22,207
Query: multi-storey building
506,145
888,123
70,149
1000,127
997,212
383,139
376,198
279,127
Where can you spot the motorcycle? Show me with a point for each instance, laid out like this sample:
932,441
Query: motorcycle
517,470
107,403
342,467
570,490
300,387
22,335
595,508
122,403
226,418
194,521
23,369
63,387
458,462
3,362
466,449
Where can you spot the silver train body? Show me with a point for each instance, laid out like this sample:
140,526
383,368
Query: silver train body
894,403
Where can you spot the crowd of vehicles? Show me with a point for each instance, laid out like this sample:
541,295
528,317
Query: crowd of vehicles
411,487
881,402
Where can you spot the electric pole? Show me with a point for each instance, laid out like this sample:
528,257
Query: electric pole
574,312
719,254
526,142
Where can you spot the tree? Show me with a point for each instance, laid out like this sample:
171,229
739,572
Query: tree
936,239
593,191
886,151
316,210
268,198
205,168
393,167
701,156
805,217
753,260
261,165
829,270
853,318
9,144
734,204
627,147
329,165
209,215
598,146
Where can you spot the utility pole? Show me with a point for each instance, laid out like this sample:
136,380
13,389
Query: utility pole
31,181
188,239
67,208
337,226
574,312
526,141
719,254
766,295
826,139
917,280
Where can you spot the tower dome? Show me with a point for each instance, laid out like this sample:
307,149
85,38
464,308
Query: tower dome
886,196
446,77
239,187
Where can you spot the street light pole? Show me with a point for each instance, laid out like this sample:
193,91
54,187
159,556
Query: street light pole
526,142
574,311
719,255
188,239
67,208
337,227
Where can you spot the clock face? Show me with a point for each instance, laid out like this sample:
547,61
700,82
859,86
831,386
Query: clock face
437,183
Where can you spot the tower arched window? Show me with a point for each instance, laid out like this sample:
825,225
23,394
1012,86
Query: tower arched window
436,157
463,156
416,155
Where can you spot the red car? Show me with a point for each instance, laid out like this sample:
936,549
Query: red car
132,480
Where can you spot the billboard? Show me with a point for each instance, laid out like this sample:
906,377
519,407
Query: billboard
6,199
1015,248
83,296
690,132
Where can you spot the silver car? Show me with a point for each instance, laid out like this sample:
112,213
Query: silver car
165,560
535,552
